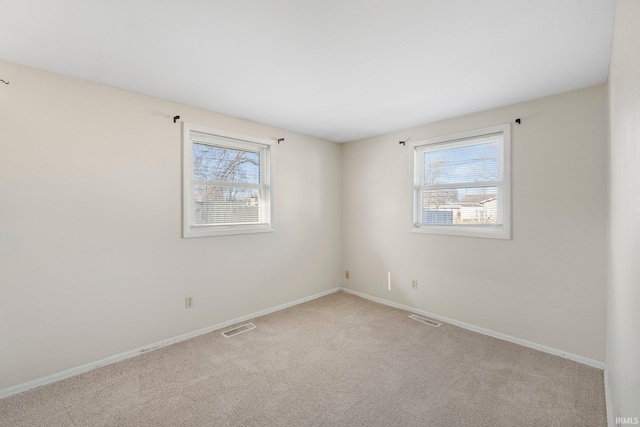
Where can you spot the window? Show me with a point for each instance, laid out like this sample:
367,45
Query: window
226,183
462,184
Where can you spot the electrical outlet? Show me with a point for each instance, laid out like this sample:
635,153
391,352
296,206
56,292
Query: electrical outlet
188,302
414,284
346,274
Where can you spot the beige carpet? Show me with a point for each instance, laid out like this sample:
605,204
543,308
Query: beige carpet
335,361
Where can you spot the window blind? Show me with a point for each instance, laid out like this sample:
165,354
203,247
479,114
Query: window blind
461,182
228,185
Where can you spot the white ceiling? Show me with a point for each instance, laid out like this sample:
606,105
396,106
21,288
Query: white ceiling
336,69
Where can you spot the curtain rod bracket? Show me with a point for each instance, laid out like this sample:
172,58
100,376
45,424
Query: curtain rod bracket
280,140
518,121
404,142
176,118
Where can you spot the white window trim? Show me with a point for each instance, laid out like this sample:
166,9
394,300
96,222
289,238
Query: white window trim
190,230
502,231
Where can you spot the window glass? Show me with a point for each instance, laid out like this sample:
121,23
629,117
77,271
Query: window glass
462,184
226,183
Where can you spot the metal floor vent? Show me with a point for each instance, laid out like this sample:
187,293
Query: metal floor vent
238,330
425,320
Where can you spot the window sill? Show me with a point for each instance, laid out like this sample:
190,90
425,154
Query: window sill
225,231
489,232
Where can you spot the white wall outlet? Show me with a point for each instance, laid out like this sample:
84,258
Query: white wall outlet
346,274
414,284
188,302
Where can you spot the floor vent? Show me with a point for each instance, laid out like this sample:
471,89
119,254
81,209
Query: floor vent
425,320
240,329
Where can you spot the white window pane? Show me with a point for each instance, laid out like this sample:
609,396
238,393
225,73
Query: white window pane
225,164
462,184
226,183
468,163
460,206
225,205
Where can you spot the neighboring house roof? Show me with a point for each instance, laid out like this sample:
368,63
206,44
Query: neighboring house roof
477,199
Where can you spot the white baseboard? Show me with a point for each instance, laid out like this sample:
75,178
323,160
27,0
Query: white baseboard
499,335
131,353
611,417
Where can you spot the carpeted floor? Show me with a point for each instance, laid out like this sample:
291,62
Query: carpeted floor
336,361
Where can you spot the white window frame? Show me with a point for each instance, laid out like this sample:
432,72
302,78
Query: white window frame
493,231
190,134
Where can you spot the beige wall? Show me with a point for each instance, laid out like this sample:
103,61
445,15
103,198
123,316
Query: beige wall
548,284
92,262
623,343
